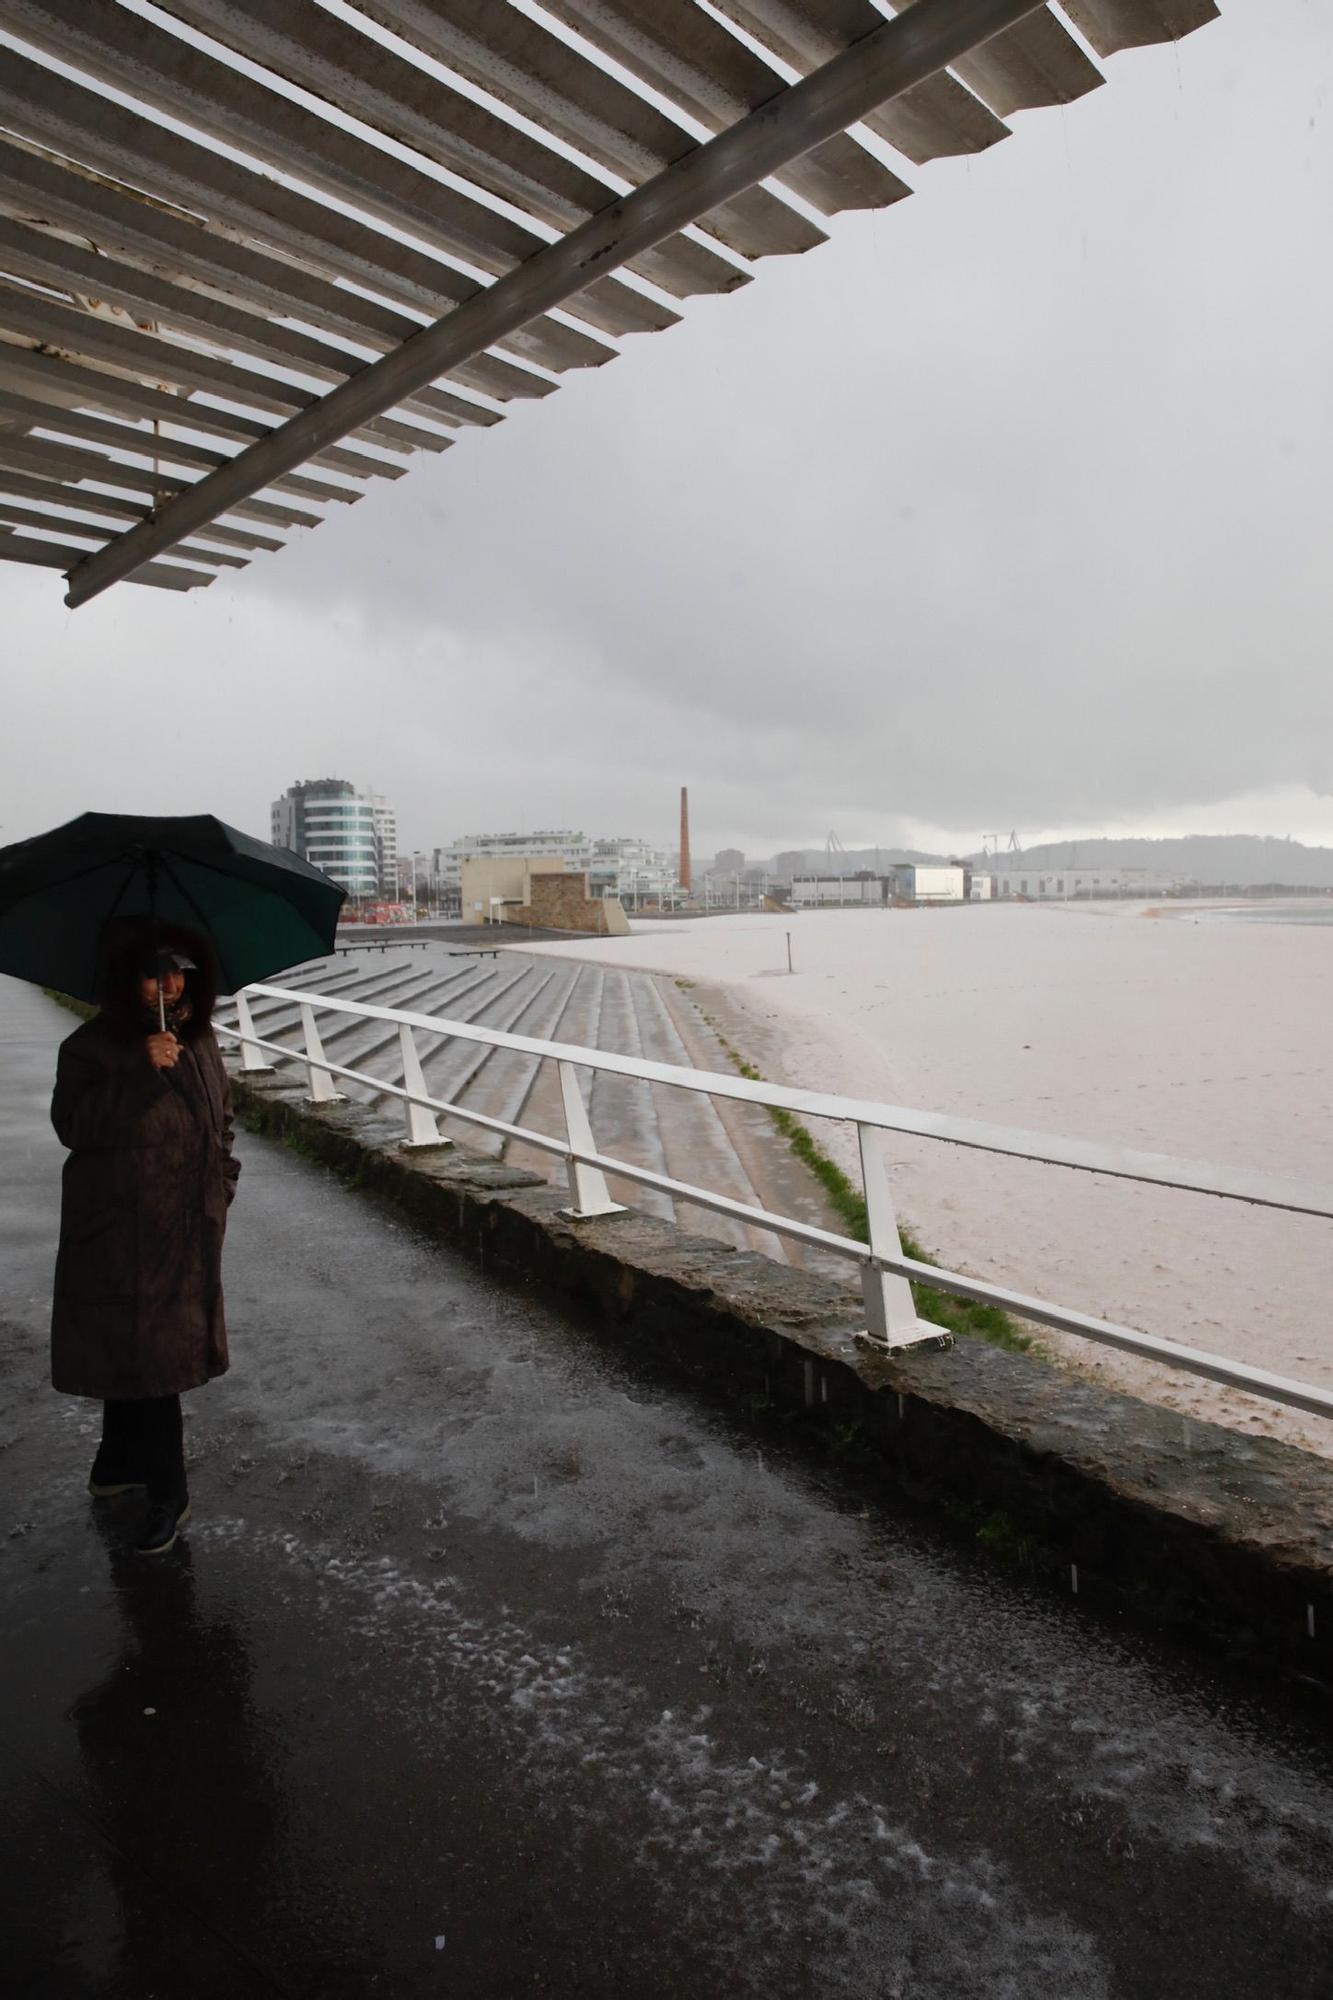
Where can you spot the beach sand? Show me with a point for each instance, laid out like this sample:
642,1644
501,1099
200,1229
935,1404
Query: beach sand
1176,1030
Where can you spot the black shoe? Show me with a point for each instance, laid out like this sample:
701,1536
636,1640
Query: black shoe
104,1485
163,1519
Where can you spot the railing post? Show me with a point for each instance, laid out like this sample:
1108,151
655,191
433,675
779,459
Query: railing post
252,1056
587,1185
891,1320
320,1078
422,1126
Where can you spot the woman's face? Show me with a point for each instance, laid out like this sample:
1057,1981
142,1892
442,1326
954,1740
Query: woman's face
173,985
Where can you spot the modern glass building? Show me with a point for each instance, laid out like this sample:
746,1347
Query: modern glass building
345,832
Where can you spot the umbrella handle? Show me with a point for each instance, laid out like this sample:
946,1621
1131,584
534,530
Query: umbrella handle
161,1004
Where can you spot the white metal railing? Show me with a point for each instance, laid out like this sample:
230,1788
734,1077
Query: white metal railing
886,1273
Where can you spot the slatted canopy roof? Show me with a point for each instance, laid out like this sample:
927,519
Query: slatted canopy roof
255,253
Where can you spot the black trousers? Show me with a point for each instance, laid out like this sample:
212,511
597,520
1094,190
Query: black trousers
145,1439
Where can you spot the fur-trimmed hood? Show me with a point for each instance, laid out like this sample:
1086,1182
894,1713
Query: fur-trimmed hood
123,949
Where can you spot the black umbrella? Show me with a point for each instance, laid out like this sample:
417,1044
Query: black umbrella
261,907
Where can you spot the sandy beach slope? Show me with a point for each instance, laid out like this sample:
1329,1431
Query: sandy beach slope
1177,1030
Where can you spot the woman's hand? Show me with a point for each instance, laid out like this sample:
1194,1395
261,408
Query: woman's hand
163,1051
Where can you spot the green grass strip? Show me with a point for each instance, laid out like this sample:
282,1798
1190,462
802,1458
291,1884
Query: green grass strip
79,1007
959,1316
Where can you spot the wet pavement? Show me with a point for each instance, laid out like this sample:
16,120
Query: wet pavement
492,1665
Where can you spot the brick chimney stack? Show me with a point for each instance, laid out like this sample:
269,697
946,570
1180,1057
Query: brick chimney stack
685,881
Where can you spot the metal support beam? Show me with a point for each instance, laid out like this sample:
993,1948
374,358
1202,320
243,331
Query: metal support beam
587,1184
891,1321
423,1127
890,60
319,1076
252,1056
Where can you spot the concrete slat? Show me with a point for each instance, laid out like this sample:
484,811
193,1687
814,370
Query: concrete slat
62,495
50,378
65,524
71,494
1036,63
361,77
126,53
1112,25
534,72
692,60
123,346
51,110
937,119
63,556
69,385
207,270
38,257
81,426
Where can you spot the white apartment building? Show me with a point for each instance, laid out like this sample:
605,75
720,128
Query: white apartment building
329,823
632,869
386,845
547,843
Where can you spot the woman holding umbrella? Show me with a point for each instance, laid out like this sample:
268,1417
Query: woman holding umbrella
143,914
141,1101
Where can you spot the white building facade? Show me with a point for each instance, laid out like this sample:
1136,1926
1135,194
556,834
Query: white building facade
1048,884
835,891
561,844
924,882
386,845
329,823
631,869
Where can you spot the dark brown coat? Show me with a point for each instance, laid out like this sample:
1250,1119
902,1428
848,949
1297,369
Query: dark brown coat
138,1292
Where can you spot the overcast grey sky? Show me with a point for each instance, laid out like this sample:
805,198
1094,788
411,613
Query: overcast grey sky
1007,507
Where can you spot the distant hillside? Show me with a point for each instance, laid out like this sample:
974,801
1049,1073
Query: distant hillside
815,861
1215,860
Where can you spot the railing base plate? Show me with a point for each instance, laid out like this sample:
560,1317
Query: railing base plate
591,1214
424,1145
930,1336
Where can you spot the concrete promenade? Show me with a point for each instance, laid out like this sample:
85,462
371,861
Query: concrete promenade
491,1665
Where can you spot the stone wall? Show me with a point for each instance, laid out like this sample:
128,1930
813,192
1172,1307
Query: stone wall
562,903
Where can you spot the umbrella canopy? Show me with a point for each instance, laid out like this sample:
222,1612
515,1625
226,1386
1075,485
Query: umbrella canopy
262,908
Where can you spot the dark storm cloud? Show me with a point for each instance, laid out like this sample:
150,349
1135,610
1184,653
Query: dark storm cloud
1009,505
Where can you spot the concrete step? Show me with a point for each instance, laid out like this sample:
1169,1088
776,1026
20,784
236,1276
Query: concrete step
728,1149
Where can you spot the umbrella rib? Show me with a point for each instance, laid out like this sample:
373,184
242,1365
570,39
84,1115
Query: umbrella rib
120,893
169,870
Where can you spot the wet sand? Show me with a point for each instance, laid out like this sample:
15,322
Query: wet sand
1177,1030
